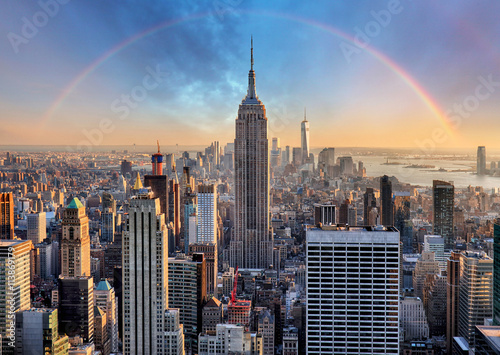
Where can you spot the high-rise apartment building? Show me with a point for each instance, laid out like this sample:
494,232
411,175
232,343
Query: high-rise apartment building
6,216
252,243
75,241
386,204
37,227
14,286
352,281
444,201
145,276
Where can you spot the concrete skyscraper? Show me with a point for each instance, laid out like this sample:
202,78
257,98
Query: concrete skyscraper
304,139
481,160
6,216
36,227
252,244
145,276
352,277
444,201
75,242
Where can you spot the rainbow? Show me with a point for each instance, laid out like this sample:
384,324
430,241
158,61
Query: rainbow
426,98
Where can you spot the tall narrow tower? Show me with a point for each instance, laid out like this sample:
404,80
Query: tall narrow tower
304,139
157,161
75,243
252,244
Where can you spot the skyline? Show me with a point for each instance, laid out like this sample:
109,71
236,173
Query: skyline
62,84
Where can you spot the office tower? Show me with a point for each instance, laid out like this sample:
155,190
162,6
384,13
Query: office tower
402,220
386,205
159,186
145,276
190,221
325,214
210,253
211,315
174,333
207,214
297,156
14,286
352,277
444,201
76,307
174,207
6,216
346,166
252,244
435,243
496,274
187,291
107,225
348,213
435,303
37,333
413,319
169,163
326,161
304,139
426,265
285,156
75,241
230,339
37,229
275,153
126,168
475,293
108,201
46,260
105,299
452,295
101,336
481,160
118,286
369,202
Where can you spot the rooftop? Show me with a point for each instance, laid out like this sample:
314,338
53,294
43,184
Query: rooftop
75,203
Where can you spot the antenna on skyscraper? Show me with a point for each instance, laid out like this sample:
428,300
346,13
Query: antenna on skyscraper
305,119
251,53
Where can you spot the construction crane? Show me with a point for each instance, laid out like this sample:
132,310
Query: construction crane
233,293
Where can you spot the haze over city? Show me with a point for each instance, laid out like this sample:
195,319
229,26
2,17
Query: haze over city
371,73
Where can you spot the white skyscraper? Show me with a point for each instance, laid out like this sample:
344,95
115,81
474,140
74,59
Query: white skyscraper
252,244
145,276
207,232
105,299
304,139
352,290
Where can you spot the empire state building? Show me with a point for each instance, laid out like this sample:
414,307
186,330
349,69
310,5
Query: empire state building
252,242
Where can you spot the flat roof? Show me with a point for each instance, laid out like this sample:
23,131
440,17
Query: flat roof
491,334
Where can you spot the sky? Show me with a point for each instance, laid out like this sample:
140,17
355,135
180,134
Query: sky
398,73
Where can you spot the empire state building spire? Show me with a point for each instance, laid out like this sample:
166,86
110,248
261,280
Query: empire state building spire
251,97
